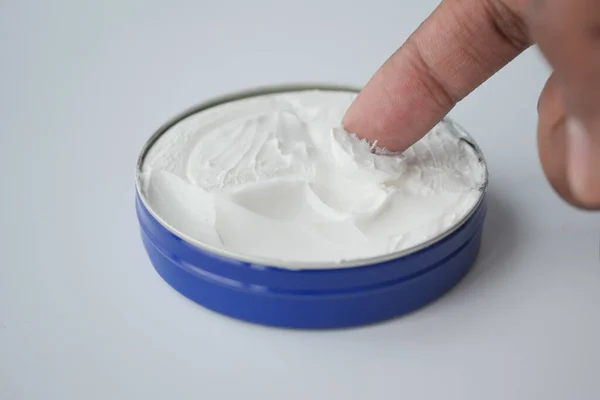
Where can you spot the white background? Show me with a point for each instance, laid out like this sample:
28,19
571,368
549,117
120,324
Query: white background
84,316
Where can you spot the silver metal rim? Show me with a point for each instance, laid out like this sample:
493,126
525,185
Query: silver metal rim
294,265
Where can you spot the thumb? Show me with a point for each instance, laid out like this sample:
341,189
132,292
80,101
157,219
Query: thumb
567,34
567,151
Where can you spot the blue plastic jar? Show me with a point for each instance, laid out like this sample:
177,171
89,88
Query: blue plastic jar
348,295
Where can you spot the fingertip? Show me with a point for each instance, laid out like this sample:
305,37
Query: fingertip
552,140
398,106
375,116
583,163
565,152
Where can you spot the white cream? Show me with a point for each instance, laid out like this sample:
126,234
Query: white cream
275,178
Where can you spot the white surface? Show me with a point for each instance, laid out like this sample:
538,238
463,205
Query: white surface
276,180
84,316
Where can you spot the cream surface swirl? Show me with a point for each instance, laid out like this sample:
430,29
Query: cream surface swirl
275,177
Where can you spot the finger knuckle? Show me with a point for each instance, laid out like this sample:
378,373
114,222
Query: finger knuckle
508,24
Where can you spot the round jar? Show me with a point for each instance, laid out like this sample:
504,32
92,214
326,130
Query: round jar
301,295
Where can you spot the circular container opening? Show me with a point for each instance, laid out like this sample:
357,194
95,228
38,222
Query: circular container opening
270,177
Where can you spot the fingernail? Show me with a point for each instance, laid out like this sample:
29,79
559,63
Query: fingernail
583,163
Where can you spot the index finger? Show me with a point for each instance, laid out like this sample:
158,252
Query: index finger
460,45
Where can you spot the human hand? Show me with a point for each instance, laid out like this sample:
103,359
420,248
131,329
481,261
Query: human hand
462,44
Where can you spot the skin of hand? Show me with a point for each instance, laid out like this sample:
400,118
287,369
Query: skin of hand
465,42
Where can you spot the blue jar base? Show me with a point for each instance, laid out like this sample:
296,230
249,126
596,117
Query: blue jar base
316,310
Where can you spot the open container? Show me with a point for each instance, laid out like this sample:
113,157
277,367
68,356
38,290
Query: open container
286,295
